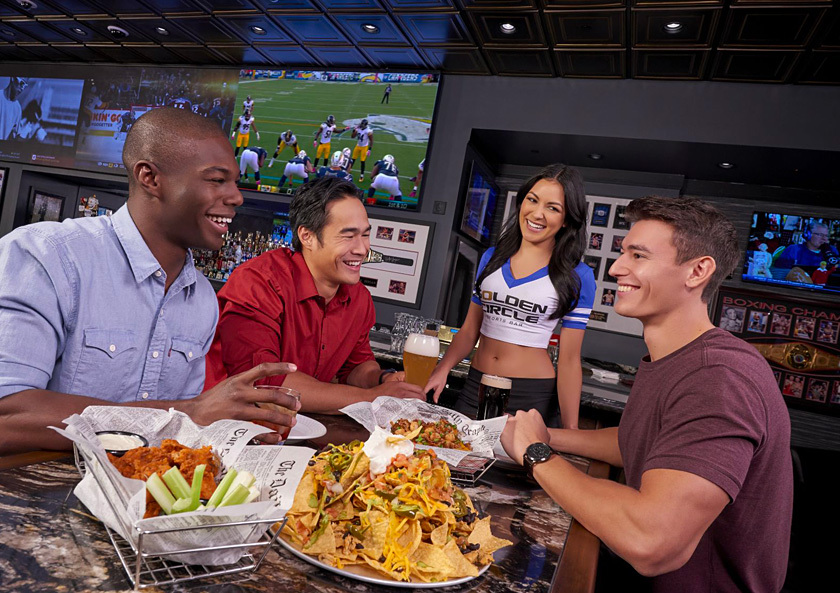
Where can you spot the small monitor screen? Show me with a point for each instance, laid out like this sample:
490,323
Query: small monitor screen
479,207
376,122
38,118
794,251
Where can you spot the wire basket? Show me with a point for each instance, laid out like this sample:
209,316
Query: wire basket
145,569
470,469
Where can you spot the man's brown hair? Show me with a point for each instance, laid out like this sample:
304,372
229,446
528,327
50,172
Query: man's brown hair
699,229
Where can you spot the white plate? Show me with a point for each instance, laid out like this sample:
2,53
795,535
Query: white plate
368,575
306,428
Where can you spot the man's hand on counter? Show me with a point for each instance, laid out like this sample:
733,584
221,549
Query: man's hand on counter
522,430
235,399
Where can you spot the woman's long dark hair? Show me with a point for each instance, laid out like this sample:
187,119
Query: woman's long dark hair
569,242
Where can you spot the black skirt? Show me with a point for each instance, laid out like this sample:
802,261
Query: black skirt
525,394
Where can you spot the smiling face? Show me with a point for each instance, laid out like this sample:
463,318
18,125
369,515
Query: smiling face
345,241
199,195
651,284
543,212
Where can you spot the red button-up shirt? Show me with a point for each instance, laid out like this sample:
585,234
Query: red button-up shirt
270,311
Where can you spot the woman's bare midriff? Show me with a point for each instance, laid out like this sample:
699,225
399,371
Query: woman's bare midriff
509,360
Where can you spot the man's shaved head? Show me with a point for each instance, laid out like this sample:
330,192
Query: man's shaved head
160,136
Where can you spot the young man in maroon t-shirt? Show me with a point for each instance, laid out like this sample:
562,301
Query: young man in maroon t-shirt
705,437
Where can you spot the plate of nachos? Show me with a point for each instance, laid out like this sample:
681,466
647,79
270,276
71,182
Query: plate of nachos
385,513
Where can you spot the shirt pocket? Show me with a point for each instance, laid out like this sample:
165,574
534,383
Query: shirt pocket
185,360
107,363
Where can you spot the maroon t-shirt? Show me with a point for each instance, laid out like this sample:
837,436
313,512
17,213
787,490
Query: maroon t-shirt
713,409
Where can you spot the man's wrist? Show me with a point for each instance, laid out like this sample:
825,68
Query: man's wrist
383,373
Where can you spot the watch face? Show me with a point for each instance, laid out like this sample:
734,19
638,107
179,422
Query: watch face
538,452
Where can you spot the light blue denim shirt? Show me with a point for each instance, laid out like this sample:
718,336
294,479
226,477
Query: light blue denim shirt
83,311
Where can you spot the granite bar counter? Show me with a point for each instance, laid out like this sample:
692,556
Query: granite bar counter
49,542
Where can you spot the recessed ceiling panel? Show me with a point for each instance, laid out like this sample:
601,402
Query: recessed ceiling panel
674,64
371,28
116,52
498,4
82,53
75,7
178,6
40,31
445,28
225,5
242,54
822,68
45,52
124,6
158,30
693,27
312,29
603,28
340,57
829,36
9,34
770,27
135,33
198,54
534,62
513,28
414,4
350,5
9,52
256,28
457,60
591,64
288,55
572,4
155,53
394,57
757,66
290,5
205,28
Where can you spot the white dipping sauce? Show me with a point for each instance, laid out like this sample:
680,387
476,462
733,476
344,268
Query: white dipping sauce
119,442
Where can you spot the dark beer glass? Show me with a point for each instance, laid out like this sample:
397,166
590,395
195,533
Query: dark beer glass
493,396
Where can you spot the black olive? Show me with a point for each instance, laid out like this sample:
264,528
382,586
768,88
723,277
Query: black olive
382,558
311,462
359,546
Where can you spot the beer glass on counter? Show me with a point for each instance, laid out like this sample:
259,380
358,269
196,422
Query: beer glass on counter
493,396
420,356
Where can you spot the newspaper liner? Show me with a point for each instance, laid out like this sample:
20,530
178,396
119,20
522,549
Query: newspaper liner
277,471
481,435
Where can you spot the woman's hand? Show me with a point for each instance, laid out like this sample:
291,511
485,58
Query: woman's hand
437,381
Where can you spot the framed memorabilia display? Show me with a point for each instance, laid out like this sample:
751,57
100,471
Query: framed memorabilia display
404,246
798,338
607,228
4,173
44,206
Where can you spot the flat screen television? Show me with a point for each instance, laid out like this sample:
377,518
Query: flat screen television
38,117
399,108
795,251
480,205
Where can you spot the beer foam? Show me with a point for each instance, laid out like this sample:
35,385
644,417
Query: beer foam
496,381
422,345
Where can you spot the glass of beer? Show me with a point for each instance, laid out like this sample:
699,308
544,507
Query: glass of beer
282,430
493,396
420,357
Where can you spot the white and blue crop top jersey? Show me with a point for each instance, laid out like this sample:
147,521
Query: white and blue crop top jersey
518,311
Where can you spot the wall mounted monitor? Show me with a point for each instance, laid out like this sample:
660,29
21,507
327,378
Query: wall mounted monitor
794,251
398,107
479,218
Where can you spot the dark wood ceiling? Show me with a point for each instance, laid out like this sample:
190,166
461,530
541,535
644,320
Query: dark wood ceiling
769,41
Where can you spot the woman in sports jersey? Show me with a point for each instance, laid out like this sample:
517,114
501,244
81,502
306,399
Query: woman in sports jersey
530,281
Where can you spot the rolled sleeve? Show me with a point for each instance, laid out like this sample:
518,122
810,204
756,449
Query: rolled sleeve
32,319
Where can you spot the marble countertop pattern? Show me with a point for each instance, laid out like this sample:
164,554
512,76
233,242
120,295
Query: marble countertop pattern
49,542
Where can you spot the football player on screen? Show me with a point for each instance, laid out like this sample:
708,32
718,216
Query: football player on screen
385,177
363,134
299,166
323,138
335,169
285,139
253,157
243,126
248,104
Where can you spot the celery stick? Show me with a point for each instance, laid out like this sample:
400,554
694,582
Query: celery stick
237,495
182,505
186,505
254,494
159,492
177,483
221,489
244,479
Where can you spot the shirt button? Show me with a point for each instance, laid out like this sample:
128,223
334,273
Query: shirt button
157,274
161,313
189,354
155,354
323,346
145,395
112,348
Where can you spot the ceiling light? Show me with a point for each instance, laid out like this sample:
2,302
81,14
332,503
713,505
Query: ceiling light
79,31
726,165
258,30
7,33
117,32
673,27
595,156
507,28
27,4
161,31
370,28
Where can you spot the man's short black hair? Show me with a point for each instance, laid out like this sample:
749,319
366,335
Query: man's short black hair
309,205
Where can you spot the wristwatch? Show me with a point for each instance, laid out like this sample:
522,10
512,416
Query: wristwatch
534,454
385,372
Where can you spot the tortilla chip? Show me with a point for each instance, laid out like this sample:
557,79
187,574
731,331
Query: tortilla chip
325,544
440,534
461,566
380,567
488,543
410,537
431,559
305,487
358,467
375,535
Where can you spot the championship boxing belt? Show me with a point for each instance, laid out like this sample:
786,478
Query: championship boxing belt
799,356
375,257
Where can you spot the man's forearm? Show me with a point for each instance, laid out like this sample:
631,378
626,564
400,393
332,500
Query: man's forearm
596,444
25,416
325,398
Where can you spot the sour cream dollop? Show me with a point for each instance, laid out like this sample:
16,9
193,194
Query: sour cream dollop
382,447
119,442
